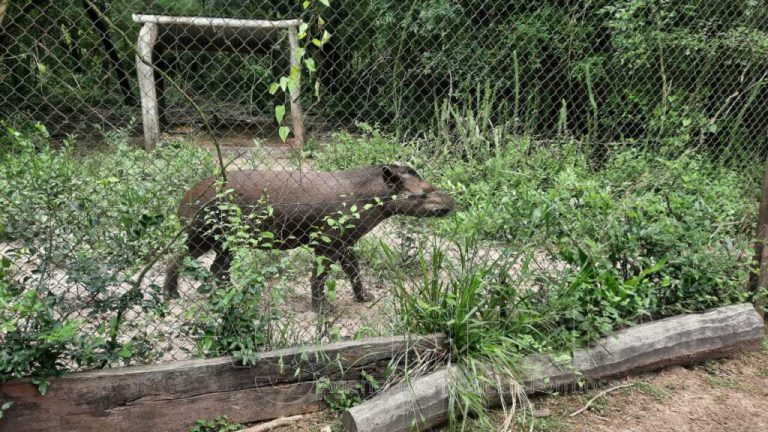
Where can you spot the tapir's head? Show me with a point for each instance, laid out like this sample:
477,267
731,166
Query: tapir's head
414,195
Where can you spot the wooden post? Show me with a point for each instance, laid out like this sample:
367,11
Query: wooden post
3,7
759,277
146,75
297,118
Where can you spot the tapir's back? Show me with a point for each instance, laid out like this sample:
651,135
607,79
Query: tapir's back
292,187
294,196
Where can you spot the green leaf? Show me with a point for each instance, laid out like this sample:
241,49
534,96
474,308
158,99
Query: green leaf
305,4
303,30
310,64
327,3
283,83
5,407
126,351
42,385
273,88
283,133
317,42
280,113
41,68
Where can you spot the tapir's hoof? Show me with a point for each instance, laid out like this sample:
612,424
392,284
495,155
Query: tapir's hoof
170,295
365,297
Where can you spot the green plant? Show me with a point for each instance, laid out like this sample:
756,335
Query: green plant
5,406
219,424
546,252
95,221
339,396
238,312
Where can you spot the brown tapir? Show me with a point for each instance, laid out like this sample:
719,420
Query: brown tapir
301,204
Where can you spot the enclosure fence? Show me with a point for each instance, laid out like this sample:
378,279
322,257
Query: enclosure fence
343,155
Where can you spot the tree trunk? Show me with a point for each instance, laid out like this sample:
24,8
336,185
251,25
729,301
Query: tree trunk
95,12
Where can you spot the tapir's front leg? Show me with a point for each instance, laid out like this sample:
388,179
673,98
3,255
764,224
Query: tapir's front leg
351,267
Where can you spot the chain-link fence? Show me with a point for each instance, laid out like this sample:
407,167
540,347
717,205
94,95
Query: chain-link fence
592,164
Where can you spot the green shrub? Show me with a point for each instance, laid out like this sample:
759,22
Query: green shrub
89,223
649,234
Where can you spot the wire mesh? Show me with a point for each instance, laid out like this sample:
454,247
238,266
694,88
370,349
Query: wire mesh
256,222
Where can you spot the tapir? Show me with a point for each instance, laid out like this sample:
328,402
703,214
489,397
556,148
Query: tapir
327,211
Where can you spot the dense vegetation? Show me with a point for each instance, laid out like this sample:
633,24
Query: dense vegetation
76,234
687,73
652,233
603,153
546,252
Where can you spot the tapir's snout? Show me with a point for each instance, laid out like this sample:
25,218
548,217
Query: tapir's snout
440,204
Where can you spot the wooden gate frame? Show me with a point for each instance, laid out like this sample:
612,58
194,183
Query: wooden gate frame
219,34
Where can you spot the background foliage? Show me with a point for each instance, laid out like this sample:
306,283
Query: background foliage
605,155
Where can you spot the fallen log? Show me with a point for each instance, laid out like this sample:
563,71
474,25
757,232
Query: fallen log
424,402
171,396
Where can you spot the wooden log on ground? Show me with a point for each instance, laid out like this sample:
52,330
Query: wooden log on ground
169,397
680,340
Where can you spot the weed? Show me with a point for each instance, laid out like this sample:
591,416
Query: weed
219,424
339,396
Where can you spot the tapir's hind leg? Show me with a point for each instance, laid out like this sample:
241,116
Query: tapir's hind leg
351,267
221,264
194,249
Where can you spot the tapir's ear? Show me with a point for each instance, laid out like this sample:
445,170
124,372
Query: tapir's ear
392,178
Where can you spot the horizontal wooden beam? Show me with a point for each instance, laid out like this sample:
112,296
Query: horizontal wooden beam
169,397
424,402
215,22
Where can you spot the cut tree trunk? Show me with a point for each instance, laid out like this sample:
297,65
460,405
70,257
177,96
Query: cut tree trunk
684,339
169,397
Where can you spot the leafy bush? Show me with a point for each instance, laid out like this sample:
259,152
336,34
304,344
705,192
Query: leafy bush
648,234
89,224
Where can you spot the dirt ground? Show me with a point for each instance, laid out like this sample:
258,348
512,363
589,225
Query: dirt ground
720,395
